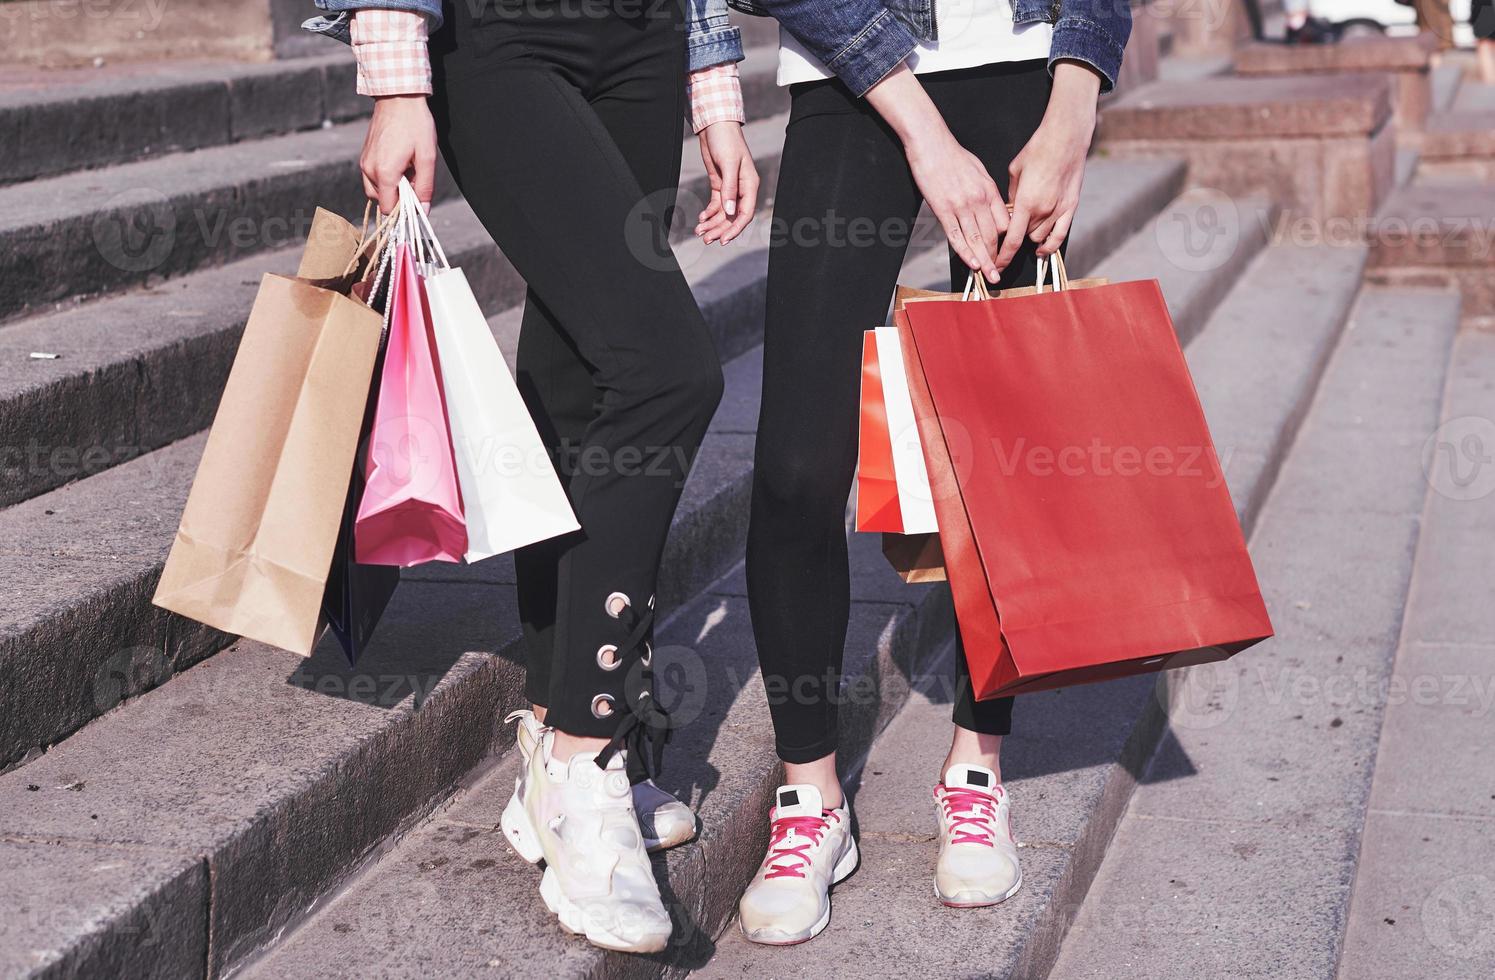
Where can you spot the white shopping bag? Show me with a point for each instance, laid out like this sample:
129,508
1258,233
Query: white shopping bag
915,499
511,495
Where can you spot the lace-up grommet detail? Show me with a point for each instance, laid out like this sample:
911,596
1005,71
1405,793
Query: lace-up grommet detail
607,657
616,603
602,706
648,657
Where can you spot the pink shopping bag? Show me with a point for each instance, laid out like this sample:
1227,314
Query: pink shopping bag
411,510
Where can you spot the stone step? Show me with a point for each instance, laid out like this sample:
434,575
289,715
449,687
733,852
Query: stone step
1197,248
83,234
1459,140
1406,61
1237,853
115,913
57,121
1426,845
1072,760
1447,77
1437,232
166,349
97,606
237,771
1318,145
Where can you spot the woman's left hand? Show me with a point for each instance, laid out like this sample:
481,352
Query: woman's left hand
1047,174
734,183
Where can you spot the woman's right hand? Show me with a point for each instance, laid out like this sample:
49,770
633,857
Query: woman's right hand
401,142
959,190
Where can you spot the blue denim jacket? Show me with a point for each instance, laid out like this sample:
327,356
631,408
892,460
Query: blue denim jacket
709,39
863,40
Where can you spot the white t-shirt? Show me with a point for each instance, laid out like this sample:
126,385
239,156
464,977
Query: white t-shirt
971,33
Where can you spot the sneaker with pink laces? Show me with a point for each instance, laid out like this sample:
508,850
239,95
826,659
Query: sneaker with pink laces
978,858
809,850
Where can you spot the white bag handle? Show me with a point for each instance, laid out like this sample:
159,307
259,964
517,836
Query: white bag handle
422,233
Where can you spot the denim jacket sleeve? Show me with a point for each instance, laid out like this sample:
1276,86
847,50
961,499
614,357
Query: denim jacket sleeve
1092,31
859,40
709,39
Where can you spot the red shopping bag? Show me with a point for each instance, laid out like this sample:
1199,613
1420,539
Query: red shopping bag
411,511
1085,523
877,484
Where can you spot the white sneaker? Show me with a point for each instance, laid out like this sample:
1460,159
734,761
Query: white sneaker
664,821
580,819
978,858
809,850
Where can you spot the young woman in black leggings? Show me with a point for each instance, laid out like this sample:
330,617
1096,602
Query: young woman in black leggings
561,123
992,113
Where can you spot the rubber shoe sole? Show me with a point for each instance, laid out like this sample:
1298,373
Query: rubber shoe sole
974,900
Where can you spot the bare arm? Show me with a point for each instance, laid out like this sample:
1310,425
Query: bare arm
959,190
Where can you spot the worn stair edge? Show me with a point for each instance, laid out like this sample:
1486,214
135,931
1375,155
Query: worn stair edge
1355,475
894,630
70,596
89,233
66,125
75,120
255,772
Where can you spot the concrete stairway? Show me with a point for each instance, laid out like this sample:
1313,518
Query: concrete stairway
175,803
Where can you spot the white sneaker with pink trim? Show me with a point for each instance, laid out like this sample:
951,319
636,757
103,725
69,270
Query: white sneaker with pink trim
809,850
978,858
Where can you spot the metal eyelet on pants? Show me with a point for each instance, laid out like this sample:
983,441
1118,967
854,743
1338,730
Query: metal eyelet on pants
602,706
614,598
607,657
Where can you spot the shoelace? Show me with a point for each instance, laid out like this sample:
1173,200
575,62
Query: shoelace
968,808
780,830
645,728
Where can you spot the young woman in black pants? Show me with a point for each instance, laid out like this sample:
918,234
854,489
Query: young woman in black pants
994,112
561,123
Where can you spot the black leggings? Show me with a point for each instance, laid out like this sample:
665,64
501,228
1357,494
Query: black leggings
563,133
844,206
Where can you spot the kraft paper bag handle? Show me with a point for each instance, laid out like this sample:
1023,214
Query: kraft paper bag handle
380,233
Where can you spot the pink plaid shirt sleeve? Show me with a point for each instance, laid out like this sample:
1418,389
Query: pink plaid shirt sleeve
715,95
390,46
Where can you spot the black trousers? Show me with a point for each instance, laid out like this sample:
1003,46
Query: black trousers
561,124
844,206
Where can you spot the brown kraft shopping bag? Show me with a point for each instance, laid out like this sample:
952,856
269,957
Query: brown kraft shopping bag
255,544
